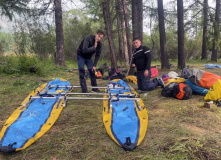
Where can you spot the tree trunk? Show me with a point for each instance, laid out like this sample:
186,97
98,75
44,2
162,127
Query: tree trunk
119,4
163,45
60,57
129,42
216,32
205,14
121,15
119,31
137,19
108,27
181,53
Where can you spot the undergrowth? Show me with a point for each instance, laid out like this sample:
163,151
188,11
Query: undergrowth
176,129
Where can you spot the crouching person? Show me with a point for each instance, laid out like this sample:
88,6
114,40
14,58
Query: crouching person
142,61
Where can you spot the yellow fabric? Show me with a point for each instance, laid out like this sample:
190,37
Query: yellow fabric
57,108
107,117
214,92
178,80
50,122
142,114
61,79
17,112
132,79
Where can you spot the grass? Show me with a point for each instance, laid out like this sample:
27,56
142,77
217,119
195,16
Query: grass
177,129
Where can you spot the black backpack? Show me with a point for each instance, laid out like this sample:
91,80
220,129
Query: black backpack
168,90
182,91
177,90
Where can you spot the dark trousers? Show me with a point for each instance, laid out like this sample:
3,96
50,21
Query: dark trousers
81,63
144,83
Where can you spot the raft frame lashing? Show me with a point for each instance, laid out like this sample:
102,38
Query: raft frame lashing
109,95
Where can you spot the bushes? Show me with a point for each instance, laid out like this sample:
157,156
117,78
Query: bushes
24,64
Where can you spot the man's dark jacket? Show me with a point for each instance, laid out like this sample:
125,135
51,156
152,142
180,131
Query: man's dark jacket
87,49
142,58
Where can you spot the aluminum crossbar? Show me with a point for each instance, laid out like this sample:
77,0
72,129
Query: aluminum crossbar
101,94
86,98
111,87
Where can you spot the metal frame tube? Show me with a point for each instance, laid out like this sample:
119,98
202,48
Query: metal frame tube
88,87
88,98
102,94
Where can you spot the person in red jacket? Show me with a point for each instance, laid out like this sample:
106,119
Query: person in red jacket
142,61
89,46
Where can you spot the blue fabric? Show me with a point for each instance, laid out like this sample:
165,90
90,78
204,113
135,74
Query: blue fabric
31,119
196,89
125,122
212,66
144,83
81,67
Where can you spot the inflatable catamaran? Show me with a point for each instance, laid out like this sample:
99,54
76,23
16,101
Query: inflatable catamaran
125,120
124,115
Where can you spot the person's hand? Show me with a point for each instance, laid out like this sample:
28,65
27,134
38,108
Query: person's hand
94,68
146,73
97,39
95,43
133,65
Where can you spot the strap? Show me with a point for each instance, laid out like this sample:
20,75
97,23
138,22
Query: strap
59,94
40,98
125,108
12,144
128,141
182,92
118,98
218,102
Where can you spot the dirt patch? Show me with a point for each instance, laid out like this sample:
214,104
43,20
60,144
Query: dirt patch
199,130
160,111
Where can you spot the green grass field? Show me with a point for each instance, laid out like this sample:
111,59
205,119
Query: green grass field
177,129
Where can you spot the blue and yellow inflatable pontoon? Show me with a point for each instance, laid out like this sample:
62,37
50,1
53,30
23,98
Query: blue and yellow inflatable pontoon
125,120
33,118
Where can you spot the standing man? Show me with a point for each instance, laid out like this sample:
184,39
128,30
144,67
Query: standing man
142,61
90,45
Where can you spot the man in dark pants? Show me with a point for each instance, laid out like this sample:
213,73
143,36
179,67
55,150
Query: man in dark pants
142,61
89,46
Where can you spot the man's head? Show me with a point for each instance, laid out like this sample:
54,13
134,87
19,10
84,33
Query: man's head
99,35
136,42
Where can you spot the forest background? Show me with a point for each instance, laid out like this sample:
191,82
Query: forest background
192,33
178,32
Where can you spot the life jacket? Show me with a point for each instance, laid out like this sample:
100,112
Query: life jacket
203,78
98,75
214,92
115,74
168,90
182,91
177,90
154,72
165,80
